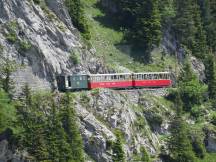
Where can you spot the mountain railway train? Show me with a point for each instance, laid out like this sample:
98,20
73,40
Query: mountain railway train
117,81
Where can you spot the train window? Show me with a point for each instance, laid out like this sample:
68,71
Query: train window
69,81
145,76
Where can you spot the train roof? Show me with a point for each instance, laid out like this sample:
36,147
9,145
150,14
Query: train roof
166,72
110,74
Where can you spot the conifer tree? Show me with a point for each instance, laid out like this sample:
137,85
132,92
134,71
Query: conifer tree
179,144
7,67
199,48
59,148
191,90
147,29
76,13
210,71
144,155
118,152
184,24
73,136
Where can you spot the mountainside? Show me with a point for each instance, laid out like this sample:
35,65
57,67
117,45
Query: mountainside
41,39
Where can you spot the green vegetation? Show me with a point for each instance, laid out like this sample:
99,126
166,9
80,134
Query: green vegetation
110,45
11,35
118,152
55,136
74,57
7,112
6,70
75,9
143,156
24,46
179,144
37,1
191,91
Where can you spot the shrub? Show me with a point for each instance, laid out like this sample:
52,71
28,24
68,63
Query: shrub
25,46
11,37
213,119
74,57
197,111
36,1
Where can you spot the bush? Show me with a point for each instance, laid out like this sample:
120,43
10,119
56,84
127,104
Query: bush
11,37
213,118
74,57
36,1
199,148
197,111
25,46
76,13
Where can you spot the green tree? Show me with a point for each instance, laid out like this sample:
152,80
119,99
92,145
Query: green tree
146,32
210,71
190,89
72,131
144,155
7,112
58,145
7,67
76,13
179,144
118,152
188,27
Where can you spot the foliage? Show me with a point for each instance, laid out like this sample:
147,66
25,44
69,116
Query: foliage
70,125
7,67
50,130
143,156
198,147
146,31
179,144
198,111
191,91
11,35
74,57
210,71
188,27
213,118
117,147
37,1
25,46
7,112
76,12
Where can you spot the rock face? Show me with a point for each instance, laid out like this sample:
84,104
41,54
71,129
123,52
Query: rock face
52,39
133,112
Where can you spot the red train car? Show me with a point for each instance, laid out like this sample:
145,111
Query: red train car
157,79
121,80
118,80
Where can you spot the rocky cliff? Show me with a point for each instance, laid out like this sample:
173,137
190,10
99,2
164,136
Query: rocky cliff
41,39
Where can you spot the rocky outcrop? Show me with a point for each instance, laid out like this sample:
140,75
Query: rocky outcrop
52,39
104,111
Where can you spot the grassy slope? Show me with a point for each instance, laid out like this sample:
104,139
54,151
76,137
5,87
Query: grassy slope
105,37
